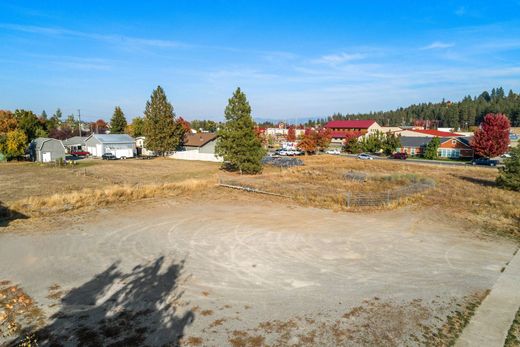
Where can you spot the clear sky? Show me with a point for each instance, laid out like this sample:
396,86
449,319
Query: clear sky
292,58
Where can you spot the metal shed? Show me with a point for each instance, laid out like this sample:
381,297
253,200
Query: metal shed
46,150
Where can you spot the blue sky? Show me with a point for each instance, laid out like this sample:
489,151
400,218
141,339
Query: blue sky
294,59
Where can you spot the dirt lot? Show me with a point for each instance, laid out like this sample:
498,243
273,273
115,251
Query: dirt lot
140,252
246,272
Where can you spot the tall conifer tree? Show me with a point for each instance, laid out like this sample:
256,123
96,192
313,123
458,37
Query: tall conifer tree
163,134
238,142
118,121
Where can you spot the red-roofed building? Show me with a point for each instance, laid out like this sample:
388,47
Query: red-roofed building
340,128
427,133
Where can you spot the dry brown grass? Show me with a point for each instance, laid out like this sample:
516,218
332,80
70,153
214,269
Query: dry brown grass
23,180
42,205
462,194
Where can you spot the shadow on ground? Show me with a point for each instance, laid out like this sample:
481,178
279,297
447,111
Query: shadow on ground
7,215
479,181
114,308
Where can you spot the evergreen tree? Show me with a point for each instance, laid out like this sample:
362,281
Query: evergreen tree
238,143
509,176
118,121
137,127
163,134
430,152
44,115
390,143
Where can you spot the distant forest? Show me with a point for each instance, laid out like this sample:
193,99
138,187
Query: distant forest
463,114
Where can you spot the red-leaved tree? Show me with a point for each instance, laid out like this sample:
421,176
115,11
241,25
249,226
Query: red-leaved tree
492,138
308,142
185,124
291,134
323,138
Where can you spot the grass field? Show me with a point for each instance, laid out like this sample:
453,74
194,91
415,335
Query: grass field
462,194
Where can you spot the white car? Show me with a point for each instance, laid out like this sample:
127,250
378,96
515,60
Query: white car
333,151
365,156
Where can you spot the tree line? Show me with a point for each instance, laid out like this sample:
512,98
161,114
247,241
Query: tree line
464,114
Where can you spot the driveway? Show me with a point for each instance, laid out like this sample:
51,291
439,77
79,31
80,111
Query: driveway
249,272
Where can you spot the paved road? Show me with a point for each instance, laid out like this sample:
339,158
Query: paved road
425,162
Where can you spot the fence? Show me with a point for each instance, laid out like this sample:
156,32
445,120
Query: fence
384,198
351,199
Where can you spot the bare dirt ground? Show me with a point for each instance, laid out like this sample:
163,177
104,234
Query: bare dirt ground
249,272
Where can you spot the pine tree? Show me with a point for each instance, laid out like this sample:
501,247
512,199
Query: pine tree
430,152
118,121
509,176
163,134
238,143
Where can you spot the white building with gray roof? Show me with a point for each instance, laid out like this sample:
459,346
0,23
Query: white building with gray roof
120,145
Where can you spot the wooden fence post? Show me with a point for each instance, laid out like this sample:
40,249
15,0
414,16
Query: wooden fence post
348,199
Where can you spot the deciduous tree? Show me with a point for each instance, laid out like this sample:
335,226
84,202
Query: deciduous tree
308,143
118,121
15,144
238,143
492,138
137,127
163,134
291,134
351,142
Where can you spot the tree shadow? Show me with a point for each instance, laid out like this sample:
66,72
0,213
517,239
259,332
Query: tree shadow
7,215
476,180
114,308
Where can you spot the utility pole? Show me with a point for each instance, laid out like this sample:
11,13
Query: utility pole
79,122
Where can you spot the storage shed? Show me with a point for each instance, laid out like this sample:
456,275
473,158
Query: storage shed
46,150
121,145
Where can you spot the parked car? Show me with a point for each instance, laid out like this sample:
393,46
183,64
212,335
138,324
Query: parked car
400,155
108,156
333,151
365,156
506,155
80,153
485,161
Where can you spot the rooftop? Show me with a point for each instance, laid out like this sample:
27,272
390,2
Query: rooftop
350,124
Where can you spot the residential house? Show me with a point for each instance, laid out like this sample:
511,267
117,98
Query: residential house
199,146
450,147
75,143
341,128
121,145
46,150
141,149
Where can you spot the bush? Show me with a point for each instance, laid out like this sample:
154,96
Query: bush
509,175
356,176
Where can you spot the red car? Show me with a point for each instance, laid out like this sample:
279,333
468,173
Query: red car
80,153
400,155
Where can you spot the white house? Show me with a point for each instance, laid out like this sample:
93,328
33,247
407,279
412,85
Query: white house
199,146
121,145
141,149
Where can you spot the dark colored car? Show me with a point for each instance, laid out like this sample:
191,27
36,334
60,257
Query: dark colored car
108,156
80,153
485,161
400,155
